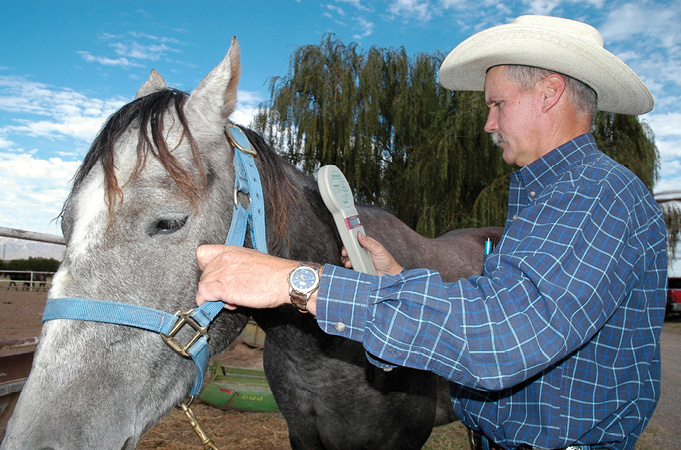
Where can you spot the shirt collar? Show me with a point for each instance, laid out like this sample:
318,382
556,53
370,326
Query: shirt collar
540,173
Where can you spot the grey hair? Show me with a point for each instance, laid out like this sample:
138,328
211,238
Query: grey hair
583,97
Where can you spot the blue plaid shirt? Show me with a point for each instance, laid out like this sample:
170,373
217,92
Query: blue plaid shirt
558,342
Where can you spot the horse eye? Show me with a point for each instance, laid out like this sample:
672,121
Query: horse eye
168,226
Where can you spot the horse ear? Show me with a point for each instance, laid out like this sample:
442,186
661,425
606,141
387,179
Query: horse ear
153,84
217,91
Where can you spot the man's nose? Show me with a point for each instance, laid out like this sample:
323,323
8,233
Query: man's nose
491,125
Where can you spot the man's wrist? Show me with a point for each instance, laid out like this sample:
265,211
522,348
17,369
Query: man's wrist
303,282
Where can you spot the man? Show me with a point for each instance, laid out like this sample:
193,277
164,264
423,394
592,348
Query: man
557,344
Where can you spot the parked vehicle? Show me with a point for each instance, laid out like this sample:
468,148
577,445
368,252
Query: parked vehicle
674,296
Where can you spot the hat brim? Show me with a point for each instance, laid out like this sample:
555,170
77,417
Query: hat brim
618,88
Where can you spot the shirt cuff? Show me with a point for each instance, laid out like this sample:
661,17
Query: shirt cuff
342,301
342,304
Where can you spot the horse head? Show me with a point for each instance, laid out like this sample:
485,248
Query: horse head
154,186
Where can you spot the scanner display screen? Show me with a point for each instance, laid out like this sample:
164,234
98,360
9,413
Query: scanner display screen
353,222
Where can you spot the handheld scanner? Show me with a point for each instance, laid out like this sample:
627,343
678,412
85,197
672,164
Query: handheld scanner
338,198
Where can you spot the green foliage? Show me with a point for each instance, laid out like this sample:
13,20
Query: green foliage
630,142
38,264
403,141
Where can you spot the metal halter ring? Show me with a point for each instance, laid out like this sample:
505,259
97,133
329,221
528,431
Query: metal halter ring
236,196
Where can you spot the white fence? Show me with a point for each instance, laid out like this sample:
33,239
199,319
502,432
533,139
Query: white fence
27,279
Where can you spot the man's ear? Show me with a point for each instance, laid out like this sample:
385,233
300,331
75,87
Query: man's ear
553,88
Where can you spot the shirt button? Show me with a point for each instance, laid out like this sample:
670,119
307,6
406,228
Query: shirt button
340,326
515,216
387,369
532,194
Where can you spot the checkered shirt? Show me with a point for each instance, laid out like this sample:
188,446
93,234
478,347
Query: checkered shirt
558,342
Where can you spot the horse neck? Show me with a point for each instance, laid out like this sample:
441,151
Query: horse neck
309,233
310,236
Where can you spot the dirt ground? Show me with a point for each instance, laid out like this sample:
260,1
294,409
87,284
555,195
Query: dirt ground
20,317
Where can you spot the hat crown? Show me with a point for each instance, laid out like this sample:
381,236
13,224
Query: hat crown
562,45
573,28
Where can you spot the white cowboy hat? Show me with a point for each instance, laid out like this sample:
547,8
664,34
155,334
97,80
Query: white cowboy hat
565,46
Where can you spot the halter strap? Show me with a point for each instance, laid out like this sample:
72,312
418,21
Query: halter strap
141,317
246,180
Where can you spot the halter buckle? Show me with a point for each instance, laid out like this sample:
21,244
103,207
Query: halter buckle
184,318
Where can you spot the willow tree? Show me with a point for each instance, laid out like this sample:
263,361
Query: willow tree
403,141
631,142
672,215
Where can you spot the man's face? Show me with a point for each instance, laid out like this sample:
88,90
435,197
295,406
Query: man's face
513,117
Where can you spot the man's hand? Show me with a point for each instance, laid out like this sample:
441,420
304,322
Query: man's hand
242,277
383,261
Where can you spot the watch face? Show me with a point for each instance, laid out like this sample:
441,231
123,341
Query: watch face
304,279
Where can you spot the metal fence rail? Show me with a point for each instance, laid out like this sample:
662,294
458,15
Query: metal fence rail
31,236
15,367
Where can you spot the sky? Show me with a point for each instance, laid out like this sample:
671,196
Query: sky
65,67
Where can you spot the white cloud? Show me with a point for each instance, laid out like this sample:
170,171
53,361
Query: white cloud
366,27
338,10
665,125
356,3
246,108
136,50
668,141
670,152
4,143
129,52
34,191
420,10
647,36
105,61
78,127
55,113
545,7
154,38
658,22
336,13
447,4
597,3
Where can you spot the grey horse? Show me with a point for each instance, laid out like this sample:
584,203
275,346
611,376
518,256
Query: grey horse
157,183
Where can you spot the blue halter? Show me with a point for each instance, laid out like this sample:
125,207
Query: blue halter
247,181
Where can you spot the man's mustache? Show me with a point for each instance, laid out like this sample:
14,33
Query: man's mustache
498,138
